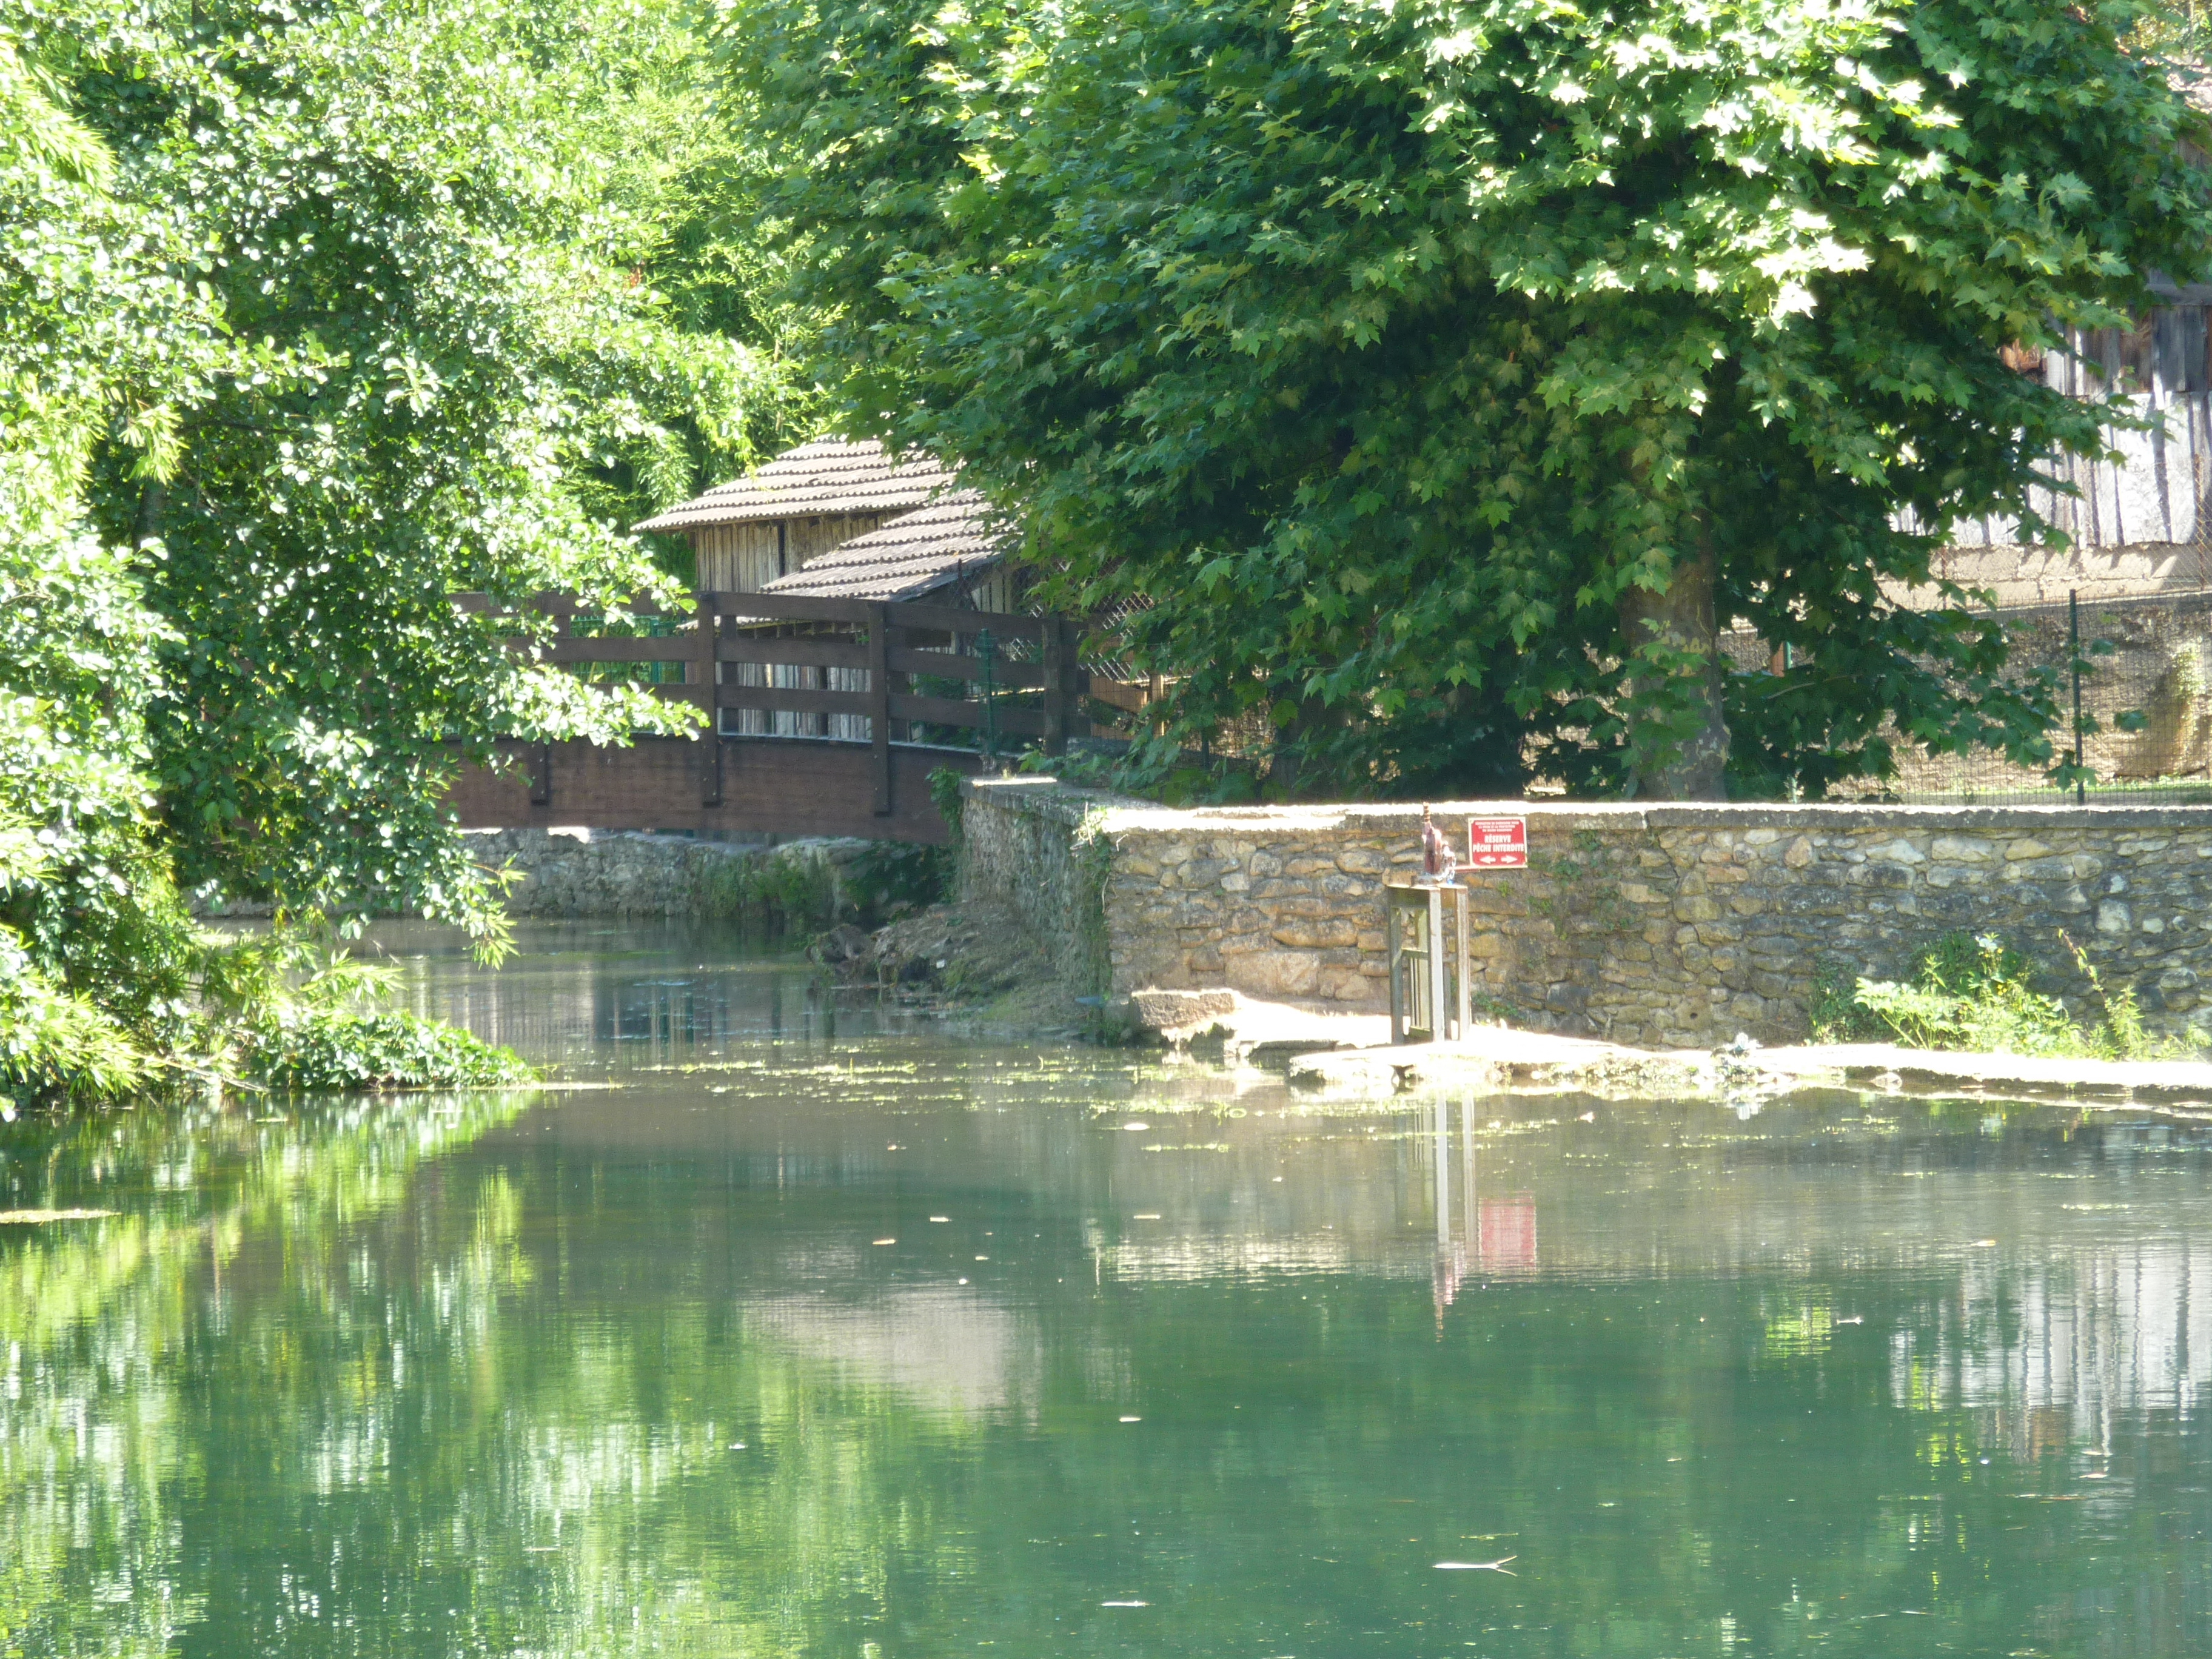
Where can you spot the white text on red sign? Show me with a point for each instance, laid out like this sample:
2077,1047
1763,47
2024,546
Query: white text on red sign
1498,843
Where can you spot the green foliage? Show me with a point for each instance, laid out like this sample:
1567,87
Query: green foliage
1410,360
891,878
1973,992
786,891
303,1020
309,318
944,795
319,1050
1157,768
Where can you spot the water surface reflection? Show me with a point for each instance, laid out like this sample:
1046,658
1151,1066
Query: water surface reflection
827,1332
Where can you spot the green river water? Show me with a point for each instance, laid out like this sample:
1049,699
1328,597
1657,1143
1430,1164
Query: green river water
825,1333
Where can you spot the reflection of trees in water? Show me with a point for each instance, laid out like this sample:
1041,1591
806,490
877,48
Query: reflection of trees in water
2118,1329
396,1363
104,1328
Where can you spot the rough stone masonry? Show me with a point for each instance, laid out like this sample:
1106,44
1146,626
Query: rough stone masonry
1655,925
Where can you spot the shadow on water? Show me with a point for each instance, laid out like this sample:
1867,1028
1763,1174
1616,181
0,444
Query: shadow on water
824,1332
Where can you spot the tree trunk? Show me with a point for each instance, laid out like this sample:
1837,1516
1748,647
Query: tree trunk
148,524
1683,618
1292,774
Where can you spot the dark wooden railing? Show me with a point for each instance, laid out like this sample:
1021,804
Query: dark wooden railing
888,642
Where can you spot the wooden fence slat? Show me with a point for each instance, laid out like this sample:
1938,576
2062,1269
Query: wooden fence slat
681,647
951,619
1055,689
809,653
789,607
1007,675
716,632
560,605
962,712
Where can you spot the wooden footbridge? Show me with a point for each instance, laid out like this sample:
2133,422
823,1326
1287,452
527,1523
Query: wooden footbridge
823,716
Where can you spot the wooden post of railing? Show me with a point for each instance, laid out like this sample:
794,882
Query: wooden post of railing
1071,679
879,696
1055,687
710,766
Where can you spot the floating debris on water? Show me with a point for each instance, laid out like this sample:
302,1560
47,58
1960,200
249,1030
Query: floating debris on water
40,1218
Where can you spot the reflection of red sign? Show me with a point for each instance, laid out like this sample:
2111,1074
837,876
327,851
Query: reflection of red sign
1509,1235
1498,843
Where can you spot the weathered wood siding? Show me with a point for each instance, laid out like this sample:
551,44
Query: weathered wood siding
2157,492
744,558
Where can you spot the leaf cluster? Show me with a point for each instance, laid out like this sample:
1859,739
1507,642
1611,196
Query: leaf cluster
1975,993
1391,351
310,317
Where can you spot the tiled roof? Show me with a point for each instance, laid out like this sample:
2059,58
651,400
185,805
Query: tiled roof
827,476
955,535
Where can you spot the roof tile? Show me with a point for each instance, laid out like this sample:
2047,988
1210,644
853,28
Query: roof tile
955,535
829,476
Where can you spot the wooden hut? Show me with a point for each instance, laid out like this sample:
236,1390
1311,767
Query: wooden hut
841,519
2140,527
806,502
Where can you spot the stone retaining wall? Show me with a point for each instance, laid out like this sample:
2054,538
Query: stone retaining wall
1656,925
601,873
1029,842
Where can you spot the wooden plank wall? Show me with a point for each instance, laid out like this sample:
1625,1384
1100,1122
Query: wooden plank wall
744,558
2160,491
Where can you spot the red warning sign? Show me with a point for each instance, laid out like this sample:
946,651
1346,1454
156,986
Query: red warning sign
1498,843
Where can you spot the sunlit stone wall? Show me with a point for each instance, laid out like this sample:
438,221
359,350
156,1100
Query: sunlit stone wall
1676,925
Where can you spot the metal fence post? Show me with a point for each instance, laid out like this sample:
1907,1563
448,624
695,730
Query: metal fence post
1438,1002
1392,934
2073,656
1464,1003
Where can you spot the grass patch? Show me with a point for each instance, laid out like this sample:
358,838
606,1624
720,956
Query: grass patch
1974,994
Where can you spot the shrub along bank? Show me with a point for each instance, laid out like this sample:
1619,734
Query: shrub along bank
1976,995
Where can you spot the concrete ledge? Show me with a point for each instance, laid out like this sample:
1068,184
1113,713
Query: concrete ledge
1919,1070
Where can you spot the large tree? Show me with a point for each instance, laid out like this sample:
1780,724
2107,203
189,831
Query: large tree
1450,376
310,317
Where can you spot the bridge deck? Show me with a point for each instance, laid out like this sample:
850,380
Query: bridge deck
780,785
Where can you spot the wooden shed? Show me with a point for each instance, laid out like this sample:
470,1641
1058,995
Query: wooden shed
840,519
806,502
